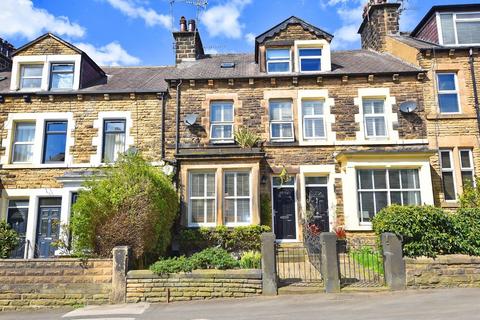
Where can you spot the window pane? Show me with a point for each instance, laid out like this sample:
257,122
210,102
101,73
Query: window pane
278,66
211,185
32,70
54,147
197,185
448,32
445,159
378,106
370,126
411,198
446,81
310,64
56,126
22,153
467,178
448,186
396,197
380,129
367,206
229,184
50,201
278,54
311,108
114,145
276,130
243,210
286,129
381,200
62,68
197,211
62,80
243,184
394,179
222,131
31,83
310,52
365,179
379,178
114,126
314,128
216,112
280,110
468,32
316,180
465,159
24,132
229,210
211,211
410,179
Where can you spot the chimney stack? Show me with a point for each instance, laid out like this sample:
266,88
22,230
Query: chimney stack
188,45
6,51
380,19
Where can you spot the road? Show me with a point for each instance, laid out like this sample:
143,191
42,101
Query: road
437,304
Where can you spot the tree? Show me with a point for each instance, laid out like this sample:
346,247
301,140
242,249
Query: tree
8,240
131,203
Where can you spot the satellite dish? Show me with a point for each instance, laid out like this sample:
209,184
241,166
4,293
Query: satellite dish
190,119
408,106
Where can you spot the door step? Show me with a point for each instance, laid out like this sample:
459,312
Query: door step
299,289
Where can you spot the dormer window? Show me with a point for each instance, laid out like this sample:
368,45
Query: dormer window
61,76
278,60
31,76
460,28
310,59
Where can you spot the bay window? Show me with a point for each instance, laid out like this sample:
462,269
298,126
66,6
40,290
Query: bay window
281,120
221,122
313,119
460,28
448,93
201,199
22,151
114,134
378,188
278,60
374,118
237,198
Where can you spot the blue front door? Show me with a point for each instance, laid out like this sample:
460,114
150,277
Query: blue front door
48,226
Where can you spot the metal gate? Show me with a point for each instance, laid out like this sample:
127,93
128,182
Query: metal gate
296,266
361,263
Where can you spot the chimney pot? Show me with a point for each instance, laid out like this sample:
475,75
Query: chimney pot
183,24
191,25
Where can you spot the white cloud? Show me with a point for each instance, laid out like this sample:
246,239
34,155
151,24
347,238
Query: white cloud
350,13
250,37
211,51
223,20
111,54
150,16
21,18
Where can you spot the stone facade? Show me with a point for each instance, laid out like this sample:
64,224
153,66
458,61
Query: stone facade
379,21
143,285
444,271
31,284
49,45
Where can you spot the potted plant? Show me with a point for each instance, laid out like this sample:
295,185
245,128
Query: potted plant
341,239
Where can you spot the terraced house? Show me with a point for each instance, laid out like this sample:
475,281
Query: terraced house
343,133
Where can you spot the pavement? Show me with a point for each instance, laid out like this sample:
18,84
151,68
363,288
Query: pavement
438,304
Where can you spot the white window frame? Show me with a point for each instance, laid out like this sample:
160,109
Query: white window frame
281,121
382,115
289,60
204,197
300,58
455,19
388,189
456,91
236,197
222,122
14,143
452,170
314,117
470,169
21,76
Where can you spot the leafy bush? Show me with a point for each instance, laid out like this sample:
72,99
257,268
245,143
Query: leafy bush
265,210
251,260
131,203
246,138
470,197
236,240
172,265
8,240
466,222
426,230
214,258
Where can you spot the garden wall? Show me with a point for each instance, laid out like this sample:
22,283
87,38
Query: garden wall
444,271
54,282
143,285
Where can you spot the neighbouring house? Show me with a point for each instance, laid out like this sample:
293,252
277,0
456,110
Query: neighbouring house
344,133
6,50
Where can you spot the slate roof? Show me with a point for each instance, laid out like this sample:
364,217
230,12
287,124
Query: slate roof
120,79
355,62
425,45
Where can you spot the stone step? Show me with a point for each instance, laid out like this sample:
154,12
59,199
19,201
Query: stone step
364,289
299,289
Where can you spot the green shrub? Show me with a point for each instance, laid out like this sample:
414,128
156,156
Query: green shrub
236,240
214,258
470,197
172,265
246,138
426,230
251,260
8,240
466,222
130,203
265,210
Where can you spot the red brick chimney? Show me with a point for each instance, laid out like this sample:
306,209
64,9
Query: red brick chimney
188,45
380,18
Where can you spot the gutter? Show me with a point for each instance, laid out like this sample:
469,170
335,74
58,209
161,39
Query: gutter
177,118
475,91
164,95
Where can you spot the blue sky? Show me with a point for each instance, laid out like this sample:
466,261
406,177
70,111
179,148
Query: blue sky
138,32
